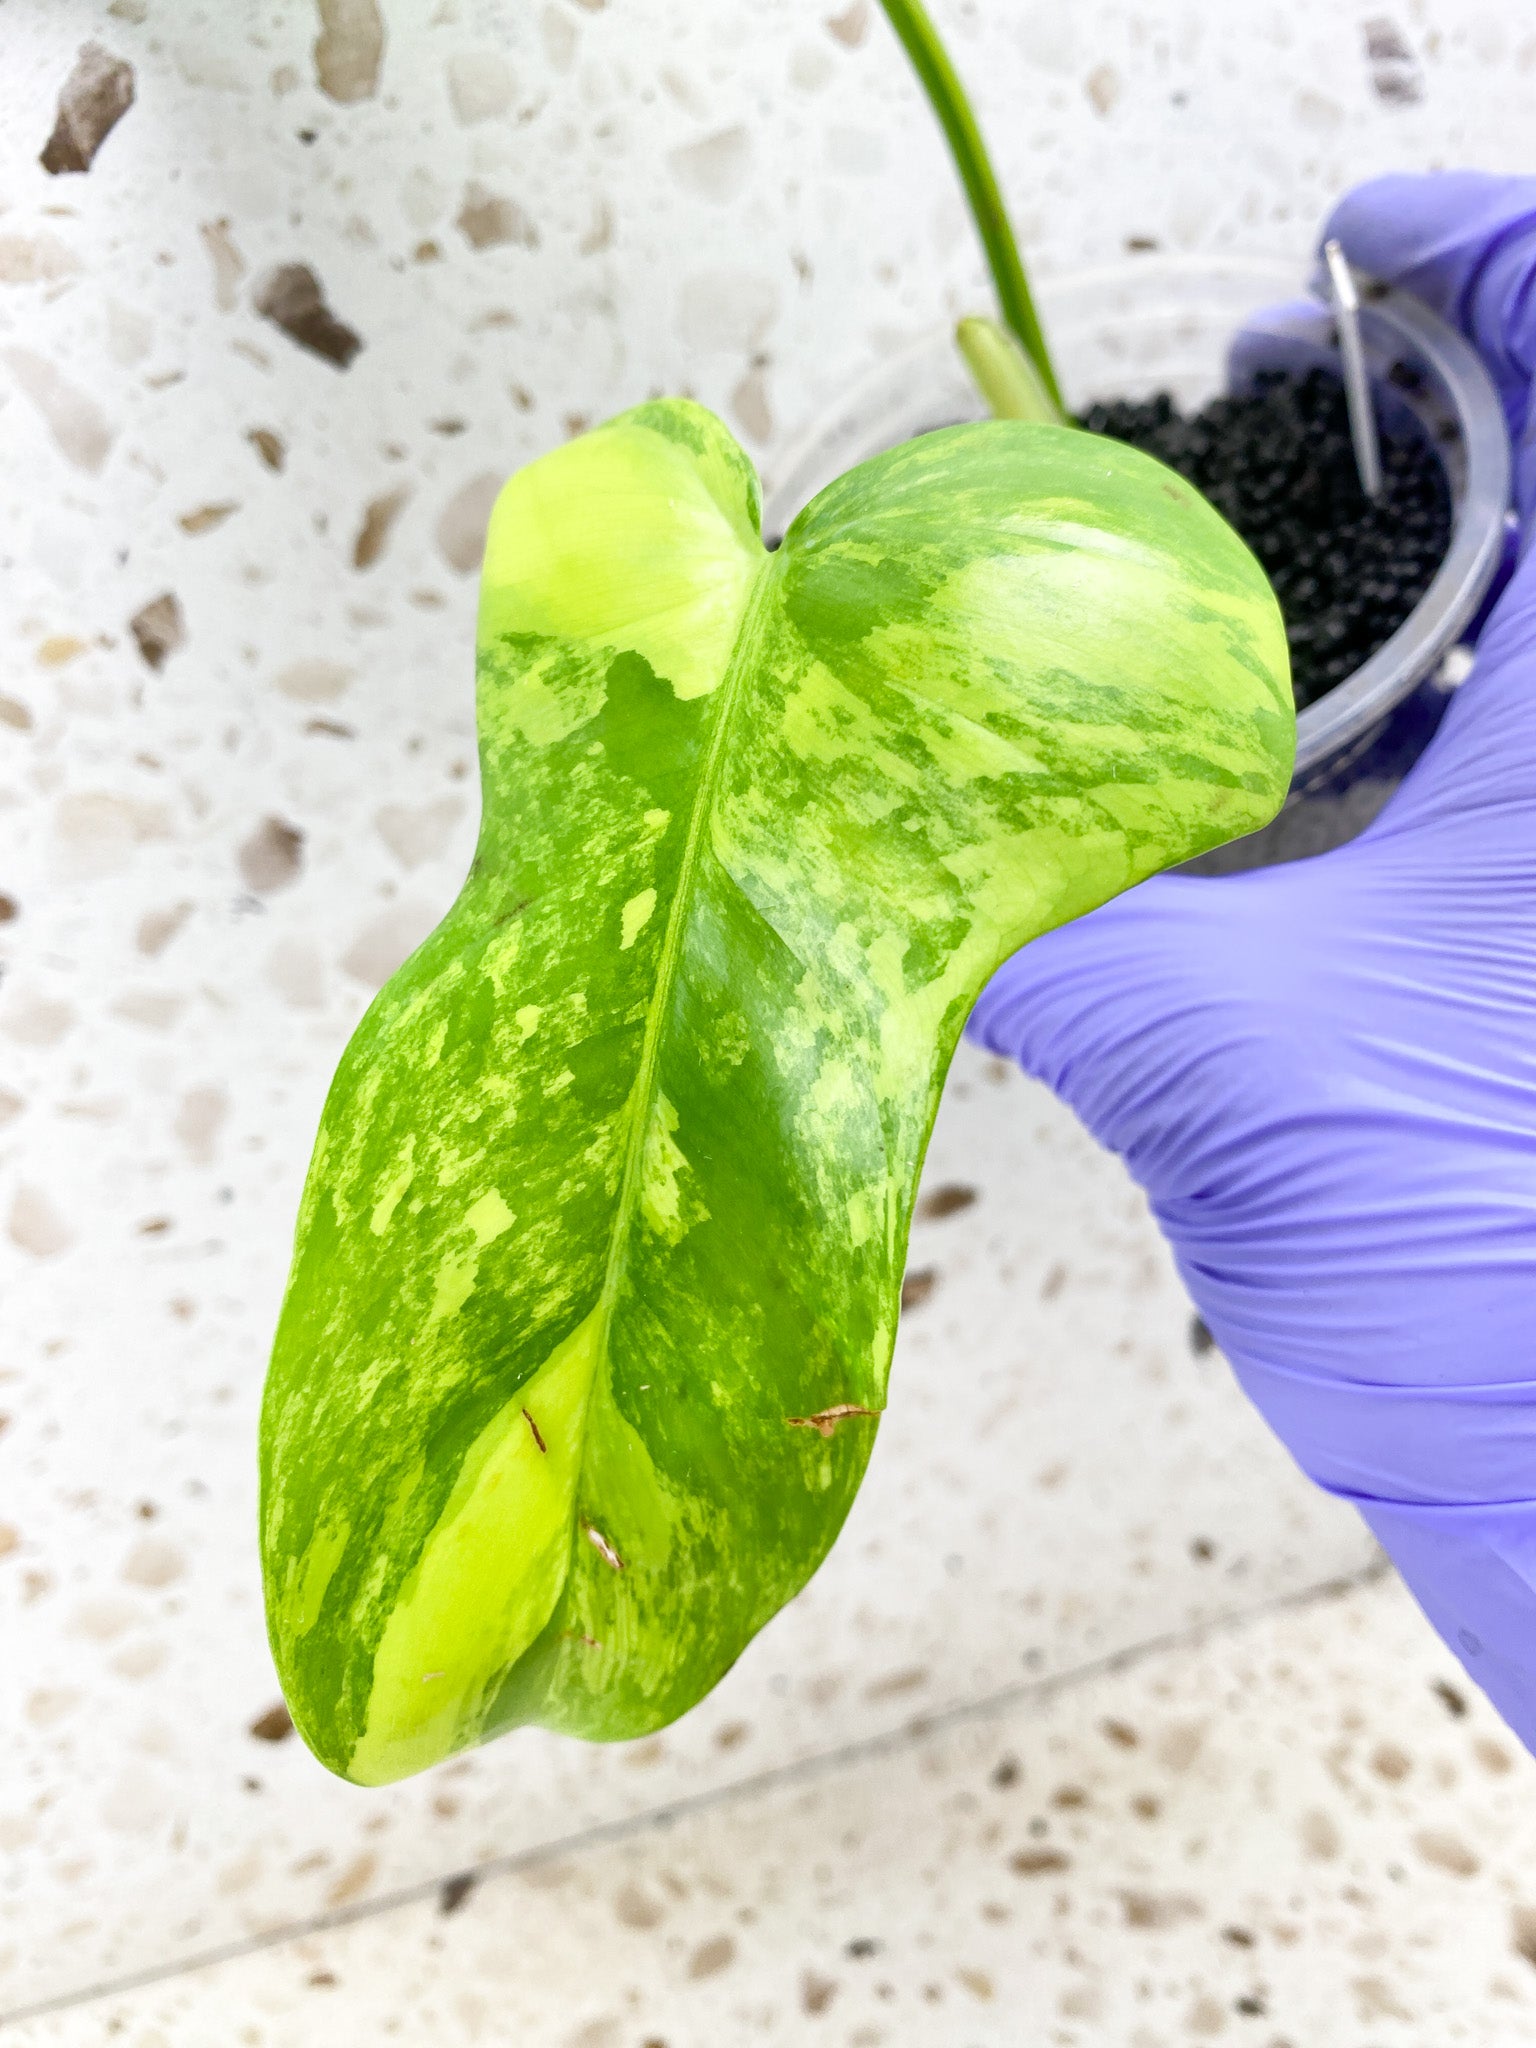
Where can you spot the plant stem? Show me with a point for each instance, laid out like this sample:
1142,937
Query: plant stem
946,94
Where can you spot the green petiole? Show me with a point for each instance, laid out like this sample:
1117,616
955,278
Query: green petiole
1004,375
947,96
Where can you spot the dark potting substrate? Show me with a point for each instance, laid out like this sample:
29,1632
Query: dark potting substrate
1280,467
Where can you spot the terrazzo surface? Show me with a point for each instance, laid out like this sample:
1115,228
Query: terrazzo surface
330,275
1262,1839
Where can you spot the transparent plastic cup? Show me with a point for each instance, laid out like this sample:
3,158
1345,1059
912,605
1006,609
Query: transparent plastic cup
1196,326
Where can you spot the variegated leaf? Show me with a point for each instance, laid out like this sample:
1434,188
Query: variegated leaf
599,1259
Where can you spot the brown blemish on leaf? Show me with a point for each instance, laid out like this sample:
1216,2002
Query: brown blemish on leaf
269,446
603,1547
917,1287
272,856
453,1891
159,629
944,1201
1038,1862
349,49
330,728
826,1420
275,1725
1454,1702
1120,1733
291,298
96,95
1493,1756
1522,1933
534,1429
15,714
1391,1763
378,517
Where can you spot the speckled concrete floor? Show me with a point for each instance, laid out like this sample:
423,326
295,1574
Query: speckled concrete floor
1302,1830
236,786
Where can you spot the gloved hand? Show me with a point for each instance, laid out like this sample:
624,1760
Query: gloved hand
1324,1074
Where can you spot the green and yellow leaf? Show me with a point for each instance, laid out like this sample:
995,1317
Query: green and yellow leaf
599,1259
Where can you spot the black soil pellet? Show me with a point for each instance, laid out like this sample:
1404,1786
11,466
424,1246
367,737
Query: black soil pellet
1280,467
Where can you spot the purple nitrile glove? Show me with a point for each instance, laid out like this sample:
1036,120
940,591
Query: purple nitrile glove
1324,1074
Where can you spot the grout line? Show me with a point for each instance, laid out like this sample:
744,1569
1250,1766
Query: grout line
893,1742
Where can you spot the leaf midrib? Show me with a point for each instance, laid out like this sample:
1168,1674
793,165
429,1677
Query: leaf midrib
643,1094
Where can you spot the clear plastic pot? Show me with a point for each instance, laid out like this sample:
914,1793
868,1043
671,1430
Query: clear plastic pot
1171,324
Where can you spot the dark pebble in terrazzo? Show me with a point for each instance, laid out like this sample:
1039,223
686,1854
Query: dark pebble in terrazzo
1280,467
